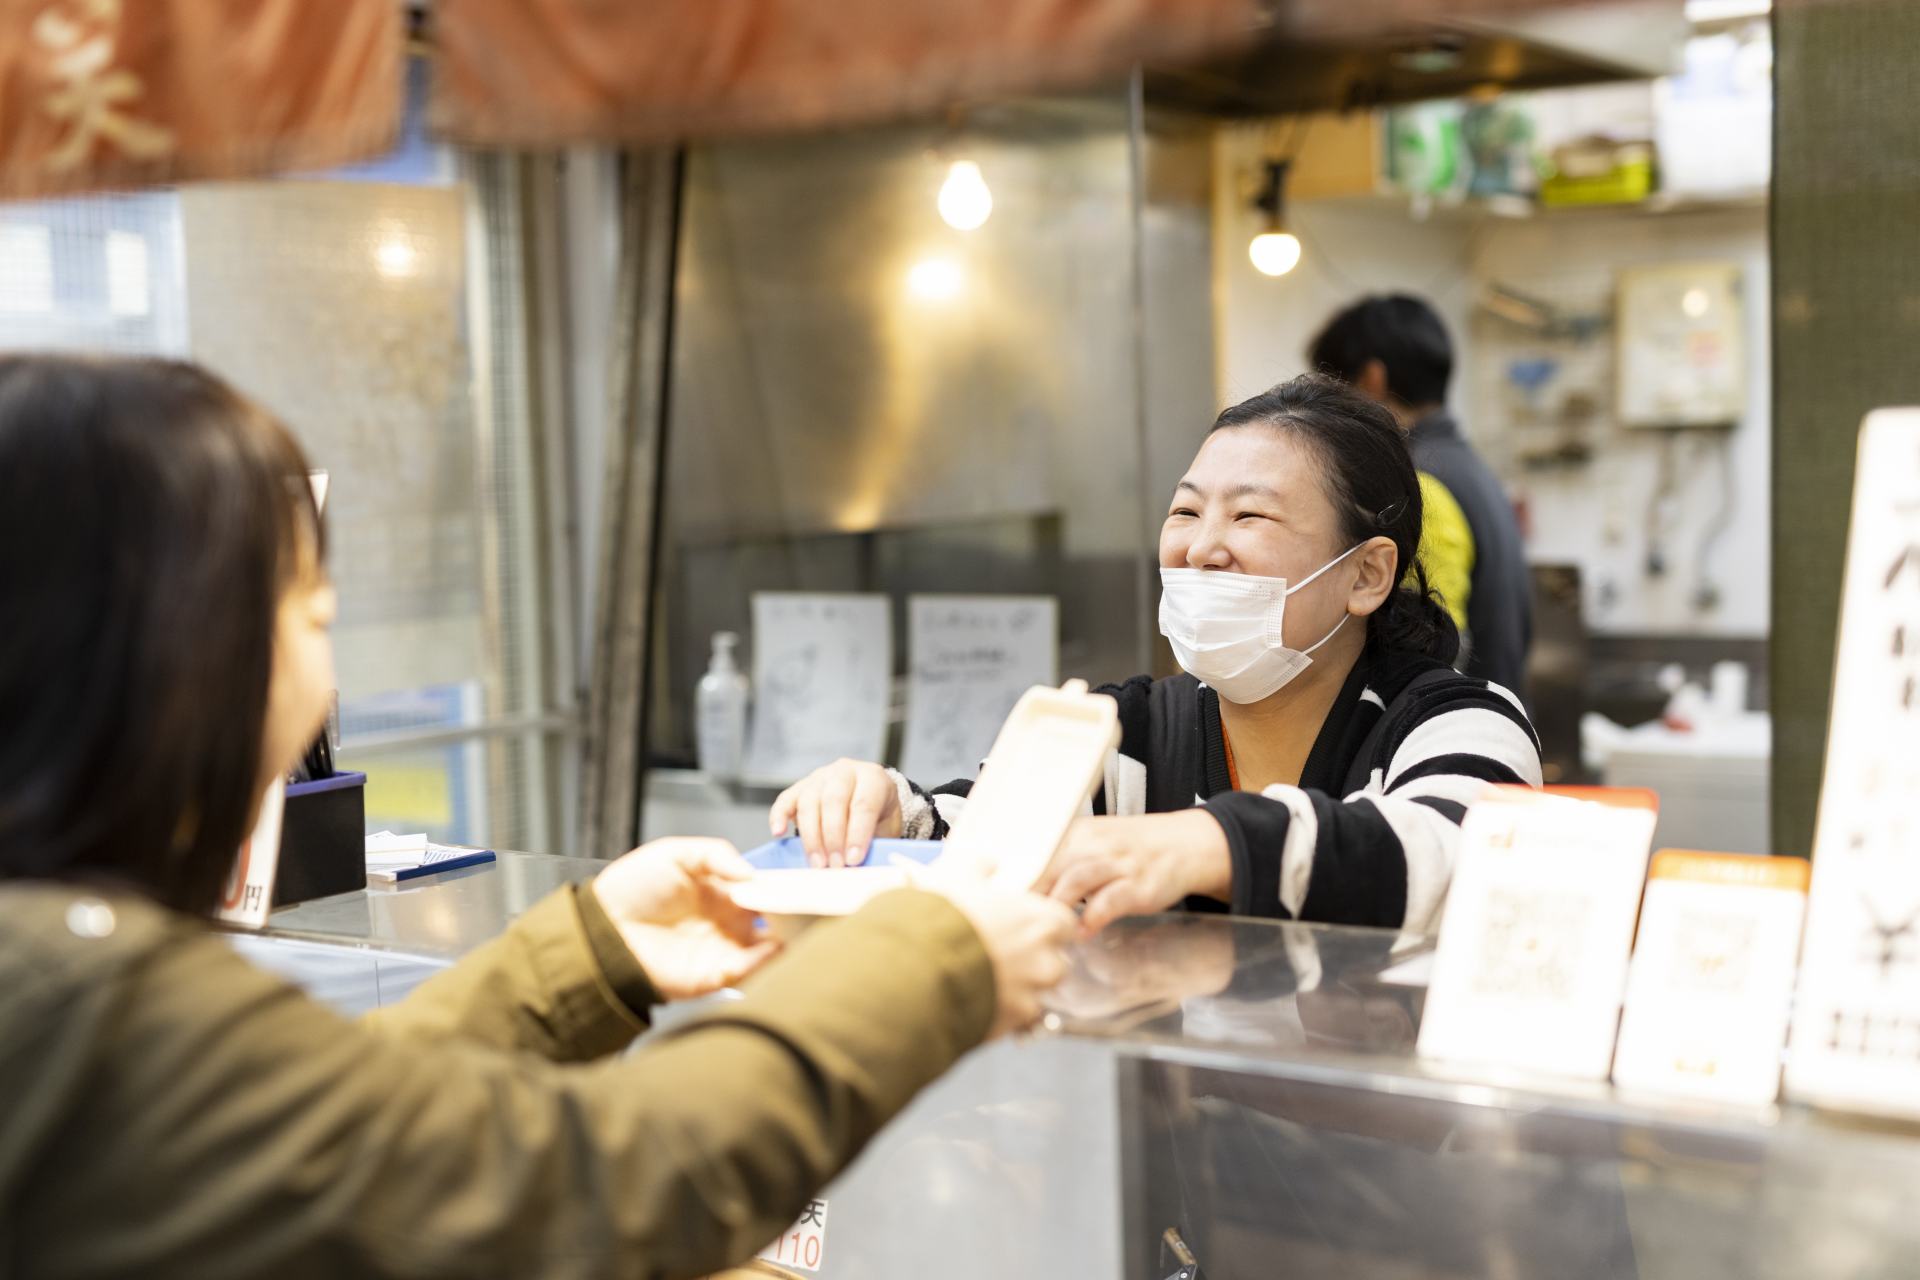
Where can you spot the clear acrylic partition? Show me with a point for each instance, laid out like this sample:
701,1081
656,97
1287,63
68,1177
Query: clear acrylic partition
864,398
379,312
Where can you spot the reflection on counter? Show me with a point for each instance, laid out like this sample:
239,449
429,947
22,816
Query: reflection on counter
1204,982
1299,1127
1253,1087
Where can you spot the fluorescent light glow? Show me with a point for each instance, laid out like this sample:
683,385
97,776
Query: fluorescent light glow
394,255
26,268
129,281
936,279
1695,302
1702,11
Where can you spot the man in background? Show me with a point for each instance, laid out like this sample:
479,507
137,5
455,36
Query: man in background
1395,350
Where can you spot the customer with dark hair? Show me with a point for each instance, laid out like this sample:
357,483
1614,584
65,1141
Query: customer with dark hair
172,1111
1395,350
1317,757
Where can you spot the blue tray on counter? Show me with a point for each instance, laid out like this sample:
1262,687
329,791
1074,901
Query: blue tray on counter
788,854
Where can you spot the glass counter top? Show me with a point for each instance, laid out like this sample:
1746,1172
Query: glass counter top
1253,1087
438,917
1304,1000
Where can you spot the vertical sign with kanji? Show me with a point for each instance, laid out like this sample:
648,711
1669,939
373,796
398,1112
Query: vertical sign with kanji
1856,1028
804,1244
95,97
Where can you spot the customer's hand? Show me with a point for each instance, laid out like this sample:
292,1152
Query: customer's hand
1023,933
1134,866
669,900
839,808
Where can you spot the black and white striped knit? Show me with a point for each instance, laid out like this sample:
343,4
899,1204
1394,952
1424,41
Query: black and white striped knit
1369,835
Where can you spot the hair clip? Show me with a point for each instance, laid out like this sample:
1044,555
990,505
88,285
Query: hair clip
1390,512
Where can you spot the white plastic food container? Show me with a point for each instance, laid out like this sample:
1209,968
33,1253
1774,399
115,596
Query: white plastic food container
1045,764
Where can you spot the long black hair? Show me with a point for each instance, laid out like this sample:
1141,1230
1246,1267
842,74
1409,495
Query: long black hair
150,519
1369,478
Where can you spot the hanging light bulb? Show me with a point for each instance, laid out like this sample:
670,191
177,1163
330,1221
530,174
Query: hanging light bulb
1274,253
965,201
1275,250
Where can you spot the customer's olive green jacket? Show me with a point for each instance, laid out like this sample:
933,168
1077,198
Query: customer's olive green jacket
166,1109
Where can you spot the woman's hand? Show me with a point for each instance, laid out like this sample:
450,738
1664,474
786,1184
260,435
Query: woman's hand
670,902
1134,866
839,808
1024,935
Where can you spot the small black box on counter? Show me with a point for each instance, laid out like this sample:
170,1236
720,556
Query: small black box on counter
323,839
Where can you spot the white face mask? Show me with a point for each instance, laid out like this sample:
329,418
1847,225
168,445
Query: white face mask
1225,628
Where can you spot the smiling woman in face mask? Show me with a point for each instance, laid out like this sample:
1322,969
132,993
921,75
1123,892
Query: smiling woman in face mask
1317,755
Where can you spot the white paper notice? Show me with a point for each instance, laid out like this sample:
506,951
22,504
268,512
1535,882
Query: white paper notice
972,657
1712,982
822,666
804,1244
249,893
1532,961
1856,1029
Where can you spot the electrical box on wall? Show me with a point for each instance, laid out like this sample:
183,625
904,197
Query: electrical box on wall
1682,358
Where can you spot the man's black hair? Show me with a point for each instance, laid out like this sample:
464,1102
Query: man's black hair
1403,333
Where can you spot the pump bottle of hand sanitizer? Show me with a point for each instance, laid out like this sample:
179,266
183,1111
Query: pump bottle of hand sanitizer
720,726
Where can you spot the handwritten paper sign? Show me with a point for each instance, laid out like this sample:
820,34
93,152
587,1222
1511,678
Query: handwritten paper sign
972,657
1856,1029
1712,982
804,1244
822,668
1532,961
249,893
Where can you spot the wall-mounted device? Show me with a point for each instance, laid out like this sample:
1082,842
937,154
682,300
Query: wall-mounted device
1682,346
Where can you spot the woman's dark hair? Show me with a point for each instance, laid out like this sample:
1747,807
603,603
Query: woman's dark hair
1370,480
150,518
1403,333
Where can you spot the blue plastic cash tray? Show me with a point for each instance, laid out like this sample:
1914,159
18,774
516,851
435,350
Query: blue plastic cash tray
788,854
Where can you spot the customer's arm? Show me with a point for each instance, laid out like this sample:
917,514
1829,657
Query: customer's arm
253,1130
558,983
575,977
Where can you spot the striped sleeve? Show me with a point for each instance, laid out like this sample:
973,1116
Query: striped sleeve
1384,855
928,815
